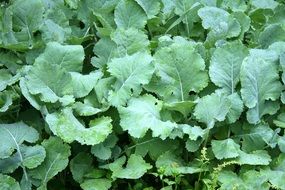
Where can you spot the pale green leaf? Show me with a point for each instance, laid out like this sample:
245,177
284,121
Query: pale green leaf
80,165
272,33
219,21
50,82
173,65
129,14
130,41
32,156
65,125
56,160
280,120
103,150
236,107
225,65
264,4
85,109
260,86
131,72
96,184
260,157
135,168
69,57
104,50
224,149
83,84
171,165
142,114
8,183
184,107
151,8
212,108
13,135
6,79
5,101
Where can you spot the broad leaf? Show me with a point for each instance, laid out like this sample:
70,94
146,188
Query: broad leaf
65,125
260,87
224,149
173,65
56,160
135,168
225,65
129,14
143,114
131,72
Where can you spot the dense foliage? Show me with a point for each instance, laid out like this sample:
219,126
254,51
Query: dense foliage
142,94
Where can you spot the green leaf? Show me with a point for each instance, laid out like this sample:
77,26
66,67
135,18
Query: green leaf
212,108
154,147
272,33
184,107
151,8
173,65
131,72
129,14
224,149
65,125
5,101
83,84
96,184
239,5
225,65
33,156
25,19
236,107
13,135
69,57
260,86
281,143
135,168
80,165
56,160
220,22
6,79
104,50
171,165
85,109
8,183
50,82
103,150
25,92
130,41
260,157
256,137
142,114
230,180
264,4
